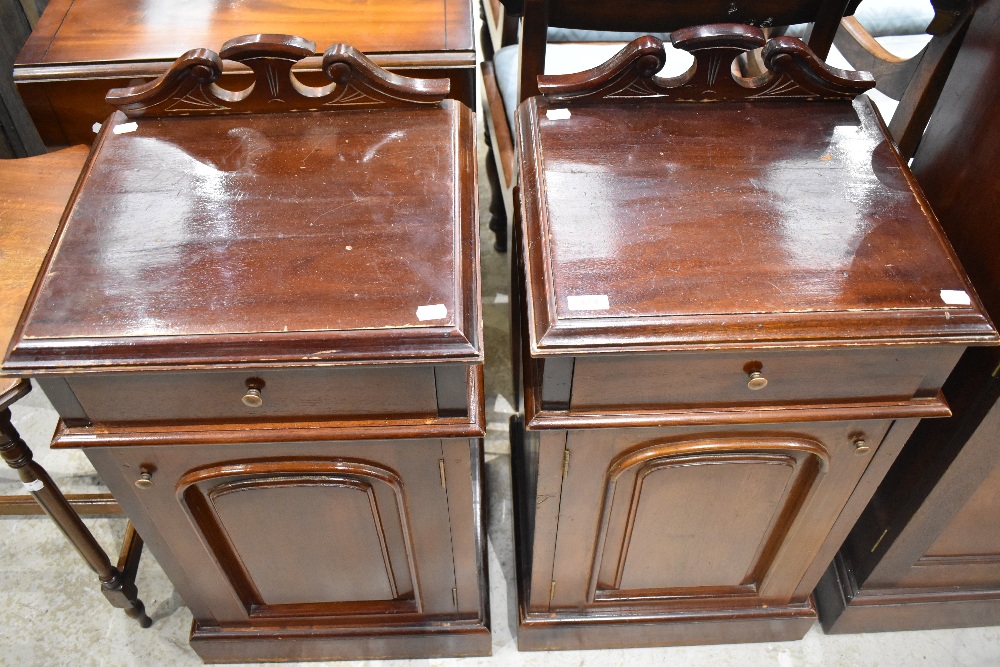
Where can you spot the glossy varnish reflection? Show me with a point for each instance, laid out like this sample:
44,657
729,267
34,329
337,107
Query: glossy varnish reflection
926,552
82,48
263,327
740,223
733,312
187,227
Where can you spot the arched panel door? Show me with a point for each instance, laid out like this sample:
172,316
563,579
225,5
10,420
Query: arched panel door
307,538
700,517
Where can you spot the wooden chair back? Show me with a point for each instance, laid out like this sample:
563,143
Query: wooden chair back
663,16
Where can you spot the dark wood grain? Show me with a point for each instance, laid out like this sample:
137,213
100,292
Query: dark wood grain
757,306
238,206
79,30
353,81
791,71
924,554
751,245
118,587
75,55
278,370
198,554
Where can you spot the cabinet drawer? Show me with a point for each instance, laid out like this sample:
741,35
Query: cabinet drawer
684,379
400,392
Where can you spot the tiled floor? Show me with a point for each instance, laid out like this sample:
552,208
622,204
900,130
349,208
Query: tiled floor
52,611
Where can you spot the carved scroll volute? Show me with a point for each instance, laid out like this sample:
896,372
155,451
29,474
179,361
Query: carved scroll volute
189,88
361,79
794,71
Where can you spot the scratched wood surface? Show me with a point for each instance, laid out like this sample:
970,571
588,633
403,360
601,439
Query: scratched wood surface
253,230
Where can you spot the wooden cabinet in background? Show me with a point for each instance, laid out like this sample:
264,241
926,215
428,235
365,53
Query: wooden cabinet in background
732,314
261,322
926,552
80,49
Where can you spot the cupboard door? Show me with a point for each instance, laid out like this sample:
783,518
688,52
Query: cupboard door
676,515
304,530
307,536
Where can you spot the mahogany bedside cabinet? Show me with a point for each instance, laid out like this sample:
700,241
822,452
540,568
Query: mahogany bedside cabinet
926,551
734,307
261,322
80,49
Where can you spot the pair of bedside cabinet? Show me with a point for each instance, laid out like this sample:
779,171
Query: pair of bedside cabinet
261,321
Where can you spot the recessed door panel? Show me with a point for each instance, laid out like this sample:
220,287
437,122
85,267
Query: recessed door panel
697,517
672,542
325,537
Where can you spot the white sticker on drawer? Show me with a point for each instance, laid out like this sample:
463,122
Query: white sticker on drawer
37,485
588,302
956,297
125,127
437,311
557,114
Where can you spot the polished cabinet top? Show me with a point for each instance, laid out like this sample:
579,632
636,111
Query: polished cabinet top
106,31
302,238
730,224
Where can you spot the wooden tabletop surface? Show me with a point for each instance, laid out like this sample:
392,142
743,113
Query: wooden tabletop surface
33,194
732,222
102,31
310,237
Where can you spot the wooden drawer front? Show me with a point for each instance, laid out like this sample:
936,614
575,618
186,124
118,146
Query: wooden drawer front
672,516
685,379
306,393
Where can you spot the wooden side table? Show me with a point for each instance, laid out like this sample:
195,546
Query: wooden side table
733,309
262,324
33,193
80,49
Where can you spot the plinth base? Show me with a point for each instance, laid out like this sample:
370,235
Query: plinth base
426,640
844,608
567,631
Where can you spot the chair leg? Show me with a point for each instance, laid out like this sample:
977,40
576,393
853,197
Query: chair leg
498,218
119,592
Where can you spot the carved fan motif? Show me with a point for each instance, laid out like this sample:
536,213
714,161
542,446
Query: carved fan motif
189,86
793,71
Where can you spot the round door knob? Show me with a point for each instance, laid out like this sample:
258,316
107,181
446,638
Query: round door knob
145,479
253,399
757,381
860,446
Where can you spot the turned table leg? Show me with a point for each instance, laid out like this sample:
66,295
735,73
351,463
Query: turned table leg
119,589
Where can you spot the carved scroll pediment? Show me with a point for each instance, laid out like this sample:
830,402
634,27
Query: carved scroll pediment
793,71
189,86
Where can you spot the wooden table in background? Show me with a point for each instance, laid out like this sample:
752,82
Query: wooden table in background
82,48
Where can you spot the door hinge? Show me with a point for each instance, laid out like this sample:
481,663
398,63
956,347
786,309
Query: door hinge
454,597
552,591
565,470
444,481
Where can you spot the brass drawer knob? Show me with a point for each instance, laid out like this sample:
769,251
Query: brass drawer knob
860,446
253,398
757,381
145,479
